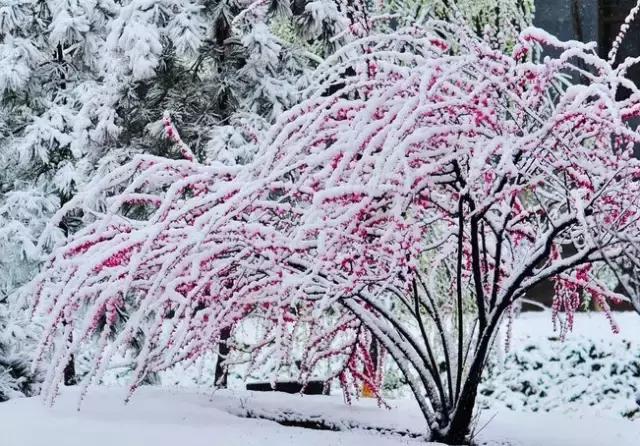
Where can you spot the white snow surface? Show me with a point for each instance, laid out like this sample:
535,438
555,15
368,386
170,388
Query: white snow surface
165,417
538,326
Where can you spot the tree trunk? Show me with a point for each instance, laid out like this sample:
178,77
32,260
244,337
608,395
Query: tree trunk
458,429
221,373
70,373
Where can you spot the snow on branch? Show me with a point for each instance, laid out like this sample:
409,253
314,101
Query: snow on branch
443,177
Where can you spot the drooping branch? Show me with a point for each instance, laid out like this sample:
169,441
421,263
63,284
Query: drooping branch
443,179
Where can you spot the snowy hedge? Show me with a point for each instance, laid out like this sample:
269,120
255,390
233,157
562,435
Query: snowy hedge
554,375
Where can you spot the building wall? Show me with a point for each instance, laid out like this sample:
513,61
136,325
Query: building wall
569,19
590,21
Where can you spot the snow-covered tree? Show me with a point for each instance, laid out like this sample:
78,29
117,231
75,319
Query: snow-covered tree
18,337
497,21
23,216
442,179
18,333
84,86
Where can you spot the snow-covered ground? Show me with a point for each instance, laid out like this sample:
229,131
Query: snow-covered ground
164,417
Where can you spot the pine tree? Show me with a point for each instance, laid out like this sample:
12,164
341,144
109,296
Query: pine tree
84,87
18,335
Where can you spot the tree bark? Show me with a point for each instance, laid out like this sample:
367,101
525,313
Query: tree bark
458,429
221,372
69,373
